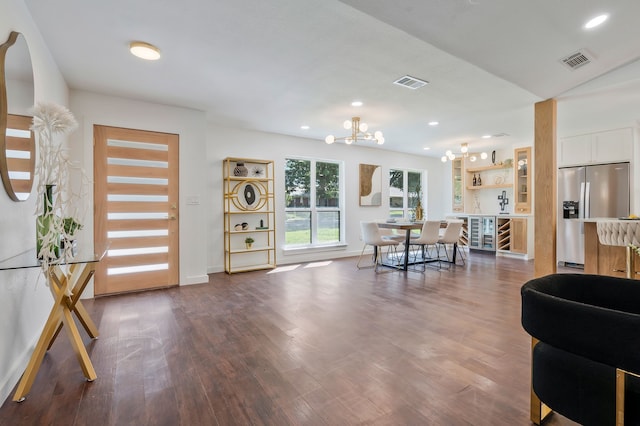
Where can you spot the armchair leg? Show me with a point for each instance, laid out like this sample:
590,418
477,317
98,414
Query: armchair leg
620,378
538,411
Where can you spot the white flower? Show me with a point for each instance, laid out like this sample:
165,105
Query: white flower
49,116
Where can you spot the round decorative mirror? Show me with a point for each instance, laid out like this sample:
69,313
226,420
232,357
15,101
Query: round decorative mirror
17,142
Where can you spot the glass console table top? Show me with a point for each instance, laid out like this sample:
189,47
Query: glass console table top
29,259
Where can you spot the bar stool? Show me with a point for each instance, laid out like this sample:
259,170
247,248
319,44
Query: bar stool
621,233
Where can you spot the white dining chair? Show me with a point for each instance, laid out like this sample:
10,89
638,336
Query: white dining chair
451,237
371,237
429,237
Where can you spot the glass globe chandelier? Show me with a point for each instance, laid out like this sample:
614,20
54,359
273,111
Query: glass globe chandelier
358,132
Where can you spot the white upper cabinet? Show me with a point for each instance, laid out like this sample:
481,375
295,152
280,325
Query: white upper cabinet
601,147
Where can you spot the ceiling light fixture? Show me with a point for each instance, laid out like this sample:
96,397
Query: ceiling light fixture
358,131
433,123
598,20
464,152
304,127
144,50
356,103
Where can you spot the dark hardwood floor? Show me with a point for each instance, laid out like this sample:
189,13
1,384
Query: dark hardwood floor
316,344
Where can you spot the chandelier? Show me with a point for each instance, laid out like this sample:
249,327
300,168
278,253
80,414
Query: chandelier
464,152
358,132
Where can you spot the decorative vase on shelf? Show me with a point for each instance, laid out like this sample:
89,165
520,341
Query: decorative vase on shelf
240,170
48,228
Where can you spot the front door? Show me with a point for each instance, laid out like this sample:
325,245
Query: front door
136,209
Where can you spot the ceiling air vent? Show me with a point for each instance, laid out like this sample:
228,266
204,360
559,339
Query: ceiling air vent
577,59
410,82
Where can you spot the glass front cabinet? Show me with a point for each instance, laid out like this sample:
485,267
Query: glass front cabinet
522,176
457,180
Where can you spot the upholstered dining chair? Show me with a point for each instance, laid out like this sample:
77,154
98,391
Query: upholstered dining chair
372,237
429,236
451,236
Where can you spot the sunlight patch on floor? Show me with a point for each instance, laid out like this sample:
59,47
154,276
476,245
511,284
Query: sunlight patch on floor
287,268
318,264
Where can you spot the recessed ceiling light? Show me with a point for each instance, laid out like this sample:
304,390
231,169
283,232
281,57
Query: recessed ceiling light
486,136
592,23
144,50
304,127
427,148
356,103
433,123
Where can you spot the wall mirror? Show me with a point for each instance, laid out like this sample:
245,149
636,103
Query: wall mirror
17,141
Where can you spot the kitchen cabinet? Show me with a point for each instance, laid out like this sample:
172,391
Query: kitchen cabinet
519,235
249,214
457,185
522,180
515,236
601,147
507,235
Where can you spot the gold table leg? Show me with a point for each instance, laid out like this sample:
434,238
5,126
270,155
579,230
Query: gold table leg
66,290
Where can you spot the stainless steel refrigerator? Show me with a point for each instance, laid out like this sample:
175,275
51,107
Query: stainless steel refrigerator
588,192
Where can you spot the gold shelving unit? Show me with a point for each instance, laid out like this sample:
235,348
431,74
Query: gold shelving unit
249,212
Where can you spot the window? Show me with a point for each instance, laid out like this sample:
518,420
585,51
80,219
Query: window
313,213
405,188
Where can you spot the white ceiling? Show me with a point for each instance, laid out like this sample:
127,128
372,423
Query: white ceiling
275,65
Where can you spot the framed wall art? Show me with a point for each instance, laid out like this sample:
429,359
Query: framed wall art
370,185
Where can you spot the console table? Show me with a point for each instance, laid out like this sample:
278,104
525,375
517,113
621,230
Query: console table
67,279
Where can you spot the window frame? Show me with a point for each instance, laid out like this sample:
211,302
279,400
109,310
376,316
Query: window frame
406,209
313,209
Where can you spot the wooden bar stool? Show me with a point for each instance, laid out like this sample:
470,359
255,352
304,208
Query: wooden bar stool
621,233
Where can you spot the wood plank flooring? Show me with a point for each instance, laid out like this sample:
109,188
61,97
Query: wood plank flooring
316,344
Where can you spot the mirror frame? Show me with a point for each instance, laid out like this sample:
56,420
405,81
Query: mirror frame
4,114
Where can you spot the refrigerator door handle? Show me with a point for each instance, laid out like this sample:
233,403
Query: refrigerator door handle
581,205
587,196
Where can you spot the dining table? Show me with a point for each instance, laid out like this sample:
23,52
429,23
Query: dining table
407,227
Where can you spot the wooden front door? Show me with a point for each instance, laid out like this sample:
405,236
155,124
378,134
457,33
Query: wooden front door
136,209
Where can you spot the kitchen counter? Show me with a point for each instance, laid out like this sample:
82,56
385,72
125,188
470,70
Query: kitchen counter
600,219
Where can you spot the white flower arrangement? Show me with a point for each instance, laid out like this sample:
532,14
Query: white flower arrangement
52,168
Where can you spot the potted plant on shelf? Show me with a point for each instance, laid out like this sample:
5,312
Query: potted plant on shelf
248,242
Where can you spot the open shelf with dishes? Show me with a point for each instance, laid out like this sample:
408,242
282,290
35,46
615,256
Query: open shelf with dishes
249,215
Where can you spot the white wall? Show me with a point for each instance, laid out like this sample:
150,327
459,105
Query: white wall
25,300
227,142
